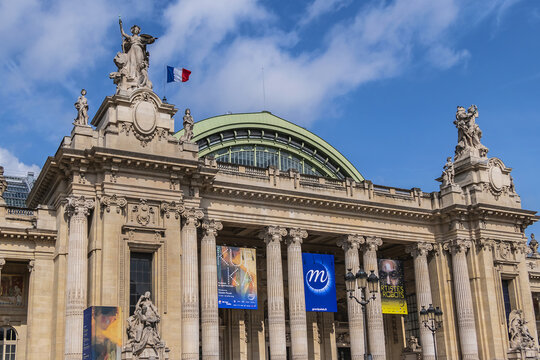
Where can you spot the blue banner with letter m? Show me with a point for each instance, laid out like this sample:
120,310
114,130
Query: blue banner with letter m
319,282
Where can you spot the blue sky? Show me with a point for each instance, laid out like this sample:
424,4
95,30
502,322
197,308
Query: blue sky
380,80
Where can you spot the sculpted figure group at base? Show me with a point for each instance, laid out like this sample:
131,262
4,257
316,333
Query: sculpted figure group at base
520,337
142,326
469,133
133,61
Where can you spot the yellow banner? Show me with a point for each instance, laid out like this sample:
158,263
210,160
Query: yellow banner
392,287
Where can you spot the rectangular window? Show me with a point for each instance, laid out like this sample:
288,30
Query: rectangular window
412,326
506,298
140,277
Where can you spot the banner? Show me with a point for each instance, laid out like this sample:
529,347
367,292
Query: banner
102,333
392,287
319,282
237,278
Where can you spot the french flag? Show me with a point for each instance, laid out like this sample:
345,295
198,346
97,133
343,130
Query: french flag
177,75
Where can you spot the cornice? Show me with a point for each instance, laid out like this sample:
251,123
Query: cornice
303,199
28,234
66,161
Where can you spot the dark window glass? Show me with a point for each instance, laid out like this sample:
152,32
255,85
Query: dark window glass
140,277
506,298
412,326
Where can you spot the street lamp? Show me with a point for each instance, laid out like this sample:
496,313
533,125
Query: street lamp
432,319
362,281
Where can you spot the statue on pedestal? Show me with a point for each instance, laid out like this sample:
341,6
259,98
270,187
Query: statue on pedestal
448,173
133,61
188,127
469,133
144,341
82,110
533,246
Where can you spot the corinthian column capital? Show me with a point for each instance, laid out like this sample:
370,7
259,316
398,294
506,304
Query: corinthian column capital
79,205
486,244
351,241
173,207
107,201
296,236
211,227
419,249
372,243
456,246
272,233
193,216
2,263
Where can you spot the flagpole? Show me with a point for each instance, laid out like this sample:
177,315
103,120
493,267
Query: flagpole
164,84
263,90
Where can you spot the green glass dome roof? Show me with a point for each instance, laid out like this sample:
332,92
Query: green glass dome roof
263,139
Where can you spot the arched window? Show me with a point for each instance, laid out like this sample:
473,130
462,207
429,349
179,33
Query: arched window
8,343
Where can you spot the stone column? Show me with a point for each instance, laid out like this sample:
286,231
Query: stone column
190,285
314,335
419,253
350,244
272,235
462,293
374,308
329,336
2,263
297,301
209,294
77,274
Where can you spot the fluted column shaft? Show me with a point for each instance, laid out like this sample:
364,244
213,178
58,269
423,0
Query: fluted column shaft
462,293
350,245
419,253
276,303
2,263
297,301
190,285
374,308
209,293
77,275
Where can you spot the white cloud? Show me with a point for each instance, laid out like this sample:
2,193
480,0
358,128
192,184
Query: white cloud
444,57
379,42
194,28
320,7
13,166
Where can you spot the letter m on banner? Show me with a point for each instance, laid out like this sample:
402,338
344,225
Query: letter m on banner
319,282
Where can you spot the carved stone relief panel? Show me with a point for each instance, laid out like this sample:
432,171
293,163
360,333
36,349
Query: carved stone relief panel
143,214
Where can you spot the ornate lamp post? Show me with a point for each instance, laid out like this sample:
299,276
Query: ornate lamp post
362,281
432,319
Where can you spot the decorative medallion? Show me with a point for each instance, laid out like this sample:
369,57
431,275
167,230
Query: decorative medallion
145,117
143,212
496,177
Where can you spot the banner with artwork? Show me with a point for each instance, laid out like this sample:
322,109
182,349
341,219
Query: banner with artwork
102,333
12,290
319,282
392,287
237,277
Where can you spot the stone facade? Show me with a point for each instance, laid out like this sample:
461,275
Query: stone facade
127,185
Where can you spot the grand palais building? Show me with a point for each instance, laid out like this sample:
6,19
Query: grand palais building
230,238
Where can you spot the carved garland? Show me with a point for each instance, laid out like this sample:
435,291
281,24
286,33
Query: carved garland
161,133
